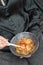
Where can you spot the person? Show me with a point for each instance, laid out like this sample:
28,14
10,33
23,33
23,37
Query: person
17,16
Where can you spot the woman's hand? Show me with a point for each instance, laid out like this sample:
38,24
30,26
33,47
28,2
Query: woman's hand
3,42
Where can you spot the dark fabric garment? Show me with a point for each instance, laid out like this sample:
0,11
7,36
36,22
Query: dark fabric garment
39,3
10,59
18,16
37,57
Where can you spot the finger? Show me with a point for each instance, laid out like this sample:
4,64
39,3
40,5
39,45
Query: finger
3,39
0,41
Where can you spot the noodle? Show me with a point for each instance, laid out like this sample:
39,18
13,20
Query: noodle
28,45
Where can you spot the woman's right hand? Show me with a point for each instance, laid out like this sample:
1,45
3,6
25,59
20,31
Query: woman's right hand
3,42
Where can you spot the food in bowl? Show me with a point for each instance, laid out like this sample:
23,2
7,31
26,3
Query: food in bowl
28,45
